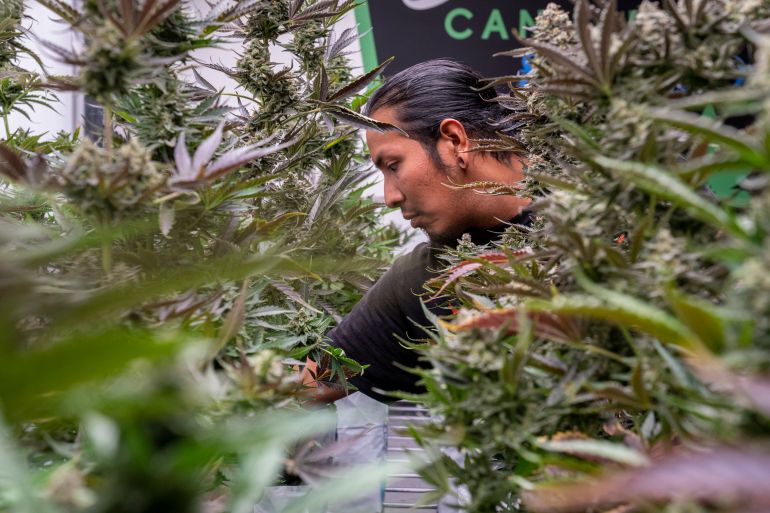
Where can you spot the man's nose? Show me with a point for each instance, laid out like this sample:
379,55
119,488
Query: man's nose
393,195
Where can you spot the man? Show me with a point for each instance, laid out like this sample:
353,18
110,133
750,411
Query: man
436,103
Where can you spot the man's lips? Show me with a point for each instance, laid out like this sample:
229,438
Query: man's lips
412,218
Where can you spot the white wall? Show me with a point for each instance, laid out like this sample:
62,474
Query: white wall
41,25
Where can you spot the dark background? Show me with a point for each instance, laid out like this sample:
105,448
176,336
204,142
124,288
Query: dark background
414,36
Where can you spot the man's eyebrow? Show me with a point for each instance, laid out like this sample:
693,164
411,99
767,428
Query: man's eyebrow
378,161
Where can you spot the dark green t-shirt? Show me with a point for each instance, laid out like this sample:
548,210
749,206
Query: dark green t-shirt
393,308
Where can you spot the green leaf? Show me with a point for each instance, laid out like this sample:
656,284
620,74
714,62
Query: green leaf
656,181
714,132
621,309
599,449
637,383
701,317
707,166
125,115
578,131
82,357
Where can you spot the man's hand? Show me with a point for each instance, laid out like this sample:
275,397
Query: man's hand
318,392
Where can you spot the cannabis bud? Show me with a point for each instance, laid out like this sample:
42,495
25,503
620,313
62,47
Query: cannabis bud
111,62
99,183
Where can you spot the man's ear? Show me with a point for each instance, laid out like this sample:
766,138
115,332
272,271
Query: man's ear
453,130
455,139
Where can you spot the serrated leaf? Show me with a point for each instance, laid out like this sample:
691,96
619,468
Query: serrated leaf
607,22
617,308
715,132
583,32
63,10
658,182
233,322
334,49
360,83
203,82
205,151
292,294
357,120
182,159
559,58
236,158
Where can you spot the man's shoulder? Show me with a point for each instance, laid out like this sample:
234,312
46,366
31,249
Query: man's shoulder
421,260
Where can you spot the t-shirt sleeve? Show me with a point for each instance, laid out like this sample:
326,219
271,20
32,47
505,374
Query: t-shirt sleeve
392,308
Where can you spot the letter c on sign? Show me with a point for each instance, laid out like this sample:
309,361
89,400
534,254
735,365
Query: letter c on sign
449,23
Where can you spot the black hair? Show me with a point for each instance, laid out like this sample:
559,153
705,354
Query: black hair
429,92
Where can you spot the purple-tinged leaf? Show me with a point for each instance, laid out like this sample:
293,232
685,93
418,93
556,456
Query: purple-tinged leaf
238,10
559,58
515,53
236,158
735,478
127,12
63,10
157,16
203,82
455,274
315,10
63,54
182,159
222,69
294,7
346,38
166,215
752,390
357,120
292,294
608,22
328,122
360,83
562,328
582,15
206,150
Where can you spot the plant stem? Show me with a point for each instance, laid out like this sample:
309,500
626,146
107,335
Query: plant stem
7,126
107,138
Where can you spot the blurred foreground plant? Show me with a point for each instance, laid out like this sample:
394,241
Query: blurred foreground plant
159,286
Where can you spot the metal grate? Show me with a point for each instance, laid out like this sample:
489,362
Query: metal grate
403,491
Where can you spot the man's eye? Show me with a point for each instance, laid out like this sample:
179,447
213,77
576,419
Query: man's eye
393,167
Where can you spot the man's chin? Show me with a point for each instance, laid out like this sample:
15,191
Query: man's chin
443,239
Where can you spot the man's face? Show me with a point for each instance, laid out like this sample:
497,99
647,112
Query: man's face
417,185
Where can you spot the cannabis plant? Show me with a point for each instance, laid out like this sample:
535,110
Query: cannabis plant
162,280
614,354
